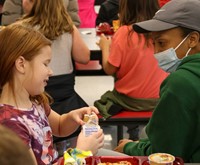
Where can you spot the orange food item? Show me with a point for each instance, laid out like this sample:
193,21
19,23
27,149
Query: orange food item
116,25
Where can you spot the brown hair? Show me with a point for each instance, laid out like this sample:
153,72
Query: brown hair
132,11
12,149
15,41
51,17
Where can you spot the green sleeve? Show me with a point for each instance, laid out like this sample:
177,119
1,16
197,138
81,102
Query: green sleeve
142,148
172,126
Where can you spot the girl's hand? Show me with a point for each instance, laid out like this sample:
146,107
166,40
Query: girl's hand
121,144
104,42
92,142
78,115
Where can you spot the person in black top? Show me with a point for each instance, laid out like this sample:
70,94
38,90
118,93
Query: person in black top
1,6
2,2
108,12
99,2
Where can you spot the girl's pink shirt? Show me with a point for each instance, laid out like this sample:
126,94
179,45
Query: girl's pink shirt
138,72
87,13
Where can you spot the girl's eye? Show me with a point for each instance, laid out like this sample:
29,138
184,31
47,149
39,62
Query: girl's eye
45,64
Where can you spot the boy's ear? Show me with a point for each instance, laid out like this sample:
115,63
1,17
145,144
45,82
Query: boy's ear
20,64
194,39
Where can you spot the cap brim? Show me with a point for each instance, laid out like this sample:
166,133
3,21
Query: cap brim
152,25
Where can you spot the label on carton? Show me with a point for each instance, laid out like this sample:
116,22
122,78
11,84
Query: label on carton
88,130
91,124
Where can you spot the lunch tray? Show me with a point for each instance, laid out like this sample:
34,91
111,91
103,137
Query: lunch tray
134,160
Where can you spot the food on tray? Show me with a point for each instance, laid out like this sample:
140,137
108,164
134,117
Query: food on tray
91,124
104,28
130,160
161,159
117,163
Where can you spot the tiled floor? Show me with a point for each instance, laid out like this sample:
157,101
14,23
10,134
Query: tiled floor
90,88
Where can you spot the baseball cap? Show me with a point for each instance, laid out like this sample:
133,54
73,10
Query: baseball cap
176,13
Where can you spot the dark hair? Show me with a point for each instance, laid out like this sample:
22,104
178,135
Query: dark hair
186,31
132,11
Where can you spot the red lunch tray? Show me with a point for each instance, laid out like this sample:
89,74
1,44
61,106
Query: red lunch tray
134,160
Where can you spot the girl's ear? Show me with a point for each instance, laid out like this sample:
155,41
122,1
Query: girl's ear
20,64
194,39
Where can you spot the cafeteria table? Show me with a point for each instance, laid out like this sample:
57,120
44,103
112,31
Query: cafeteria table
90,38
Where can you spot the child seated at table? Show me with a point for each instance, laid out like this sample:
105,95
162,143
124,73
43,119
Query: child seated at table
108,12
129,56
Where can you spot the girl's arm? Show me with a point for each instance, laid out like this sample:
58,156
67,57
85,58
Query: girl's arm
80,51
104,44
66,124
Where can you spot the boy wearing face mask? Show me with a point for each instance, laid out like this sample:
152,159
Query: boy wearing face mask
174,127
168,59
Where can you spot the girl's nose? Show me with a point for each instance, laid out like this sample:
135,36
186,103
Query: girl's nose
50,72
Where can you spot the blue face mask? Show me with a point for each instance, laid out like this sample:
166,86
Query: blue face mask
168,60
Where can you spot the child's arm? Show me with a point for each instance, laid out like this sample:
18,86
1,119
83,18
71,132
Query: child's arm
66,124
104,44
80,51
